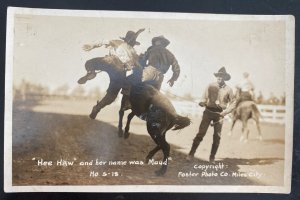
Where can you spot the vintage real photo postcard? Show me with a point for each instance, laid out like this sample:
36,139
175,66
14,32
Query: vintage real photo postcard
107,101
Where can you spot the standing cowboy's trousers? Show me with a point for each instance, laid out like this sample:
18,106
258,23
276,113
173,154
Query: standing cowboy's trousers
208,116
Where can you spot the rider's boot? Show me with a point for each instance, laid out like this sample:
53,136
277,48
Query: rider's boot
90,75
96,109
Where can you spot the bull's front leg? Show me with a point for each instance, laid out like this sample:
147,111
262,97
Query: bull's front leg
129,118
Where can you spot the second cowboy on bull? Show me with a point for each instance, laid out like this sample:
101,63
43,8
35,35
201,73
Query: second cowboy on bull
159,59
219,100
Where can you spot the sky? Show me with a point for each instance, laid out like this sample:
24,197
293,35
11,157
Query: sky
48,50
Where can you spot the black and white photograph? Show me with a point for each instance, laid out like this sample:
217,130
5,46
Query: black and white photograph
121,101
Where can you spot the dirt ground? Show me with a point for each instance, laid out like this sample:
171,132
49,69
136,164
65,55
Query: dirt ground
59,130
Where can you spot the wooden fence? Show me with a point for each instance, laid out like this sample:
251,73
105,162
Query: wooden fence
269,113
272,113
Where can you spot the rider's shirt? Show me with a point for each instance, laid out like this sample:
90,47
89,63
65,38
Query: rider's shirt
161,59
216,96
246,85
123,51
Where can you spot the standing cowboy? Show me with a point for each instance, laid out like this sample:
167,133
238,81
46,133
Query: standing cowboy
159,61
121,55
219,100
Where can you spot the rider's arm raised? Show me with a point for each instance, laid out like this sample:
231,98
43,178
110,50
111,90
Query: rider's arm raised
89,47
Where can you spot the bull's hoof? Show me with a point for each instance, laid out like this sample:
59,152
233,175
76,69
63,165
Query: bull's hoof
120,133
126,135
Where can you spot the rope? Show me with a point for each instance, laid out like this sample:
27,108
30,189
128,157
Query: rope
180,97
214,123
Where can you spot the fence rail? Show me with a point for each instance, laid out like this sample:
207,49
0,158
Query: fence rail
269,113
272,113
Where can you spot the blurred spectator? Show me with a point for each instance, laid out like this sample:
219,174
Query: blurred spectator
95,93
28,91
78,92
62,90
260,98
273,100
282,99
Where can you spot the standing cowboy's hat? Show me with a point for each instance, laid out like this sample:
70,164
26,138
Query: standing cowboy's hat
162,41
222,73
131,36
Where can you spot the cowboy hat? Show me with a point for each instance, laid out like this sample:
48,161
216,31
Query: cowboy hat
245,74
222,73
161,39
131,36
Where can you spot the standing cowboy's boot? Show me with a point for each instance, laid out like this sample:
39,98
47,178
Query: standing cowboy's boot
189,157
212,159
193,150
95,111
213,152
88,76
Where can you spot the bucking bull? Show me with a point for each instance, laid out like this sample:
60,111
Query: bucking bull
145,102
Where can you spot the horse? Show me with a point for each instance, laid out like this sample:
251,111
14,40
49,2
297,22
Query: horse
149,104
244,111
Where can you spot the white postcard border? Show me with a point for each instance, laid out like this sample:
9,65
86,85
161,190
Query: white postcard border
290,49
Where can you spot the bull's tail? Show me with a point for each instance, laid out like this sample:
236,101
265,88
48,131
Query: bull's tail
181,122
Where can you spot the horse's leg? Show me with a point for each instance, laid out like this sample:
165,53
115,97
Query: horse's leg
256,119
152,153
247,131
129,118
244,130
